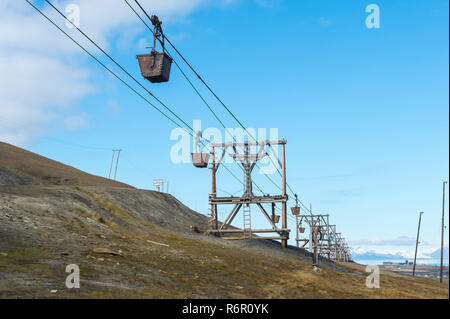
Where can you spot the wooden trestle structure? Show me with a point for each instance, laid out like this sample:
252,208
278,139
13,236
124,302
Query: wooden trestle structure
248,160
321,237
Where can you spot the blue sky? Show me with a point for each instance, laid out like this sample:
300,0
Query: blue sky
364,111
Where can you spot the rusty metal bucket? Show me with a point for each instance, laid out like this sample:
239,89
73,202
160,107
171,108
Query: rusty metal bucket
200,159
302,229
295,210
155,67
276,219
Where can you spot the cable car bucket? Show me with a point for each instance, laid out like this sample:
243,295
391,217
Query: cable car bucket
295,210
155,66
199,159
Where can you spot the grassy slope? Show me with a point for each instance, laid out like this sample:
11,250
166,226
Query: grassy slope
38,170
191,267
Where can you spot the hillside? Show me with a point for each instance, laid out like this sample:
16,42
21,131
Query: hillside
21,167
132,243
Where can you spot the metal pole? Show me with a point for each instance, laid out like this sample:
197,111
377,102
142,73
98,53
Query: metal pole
442,234
296,227
117,163
417,243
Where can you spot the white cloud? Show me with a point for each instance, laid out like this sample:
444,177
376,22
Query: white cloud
43,75
76,122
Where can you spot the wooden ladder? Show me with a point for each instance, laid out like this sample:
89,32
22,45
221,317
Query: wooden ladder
247,222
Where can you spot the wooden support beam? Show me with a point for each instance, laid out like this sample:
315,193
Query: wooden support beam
256,237
225,231
233,144
267,216
230,217
283,189
213,190
245,200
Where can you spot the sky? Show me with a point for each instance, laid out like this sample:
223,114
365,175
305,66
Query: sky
364,110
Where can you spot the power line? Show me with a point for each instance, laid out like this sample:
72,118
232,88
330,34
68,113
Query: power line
77,145
215,95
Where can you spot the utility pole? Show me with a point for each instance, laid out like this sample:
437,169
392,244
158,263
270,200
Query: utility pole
296,229
117,163
442,234
417,243
112,161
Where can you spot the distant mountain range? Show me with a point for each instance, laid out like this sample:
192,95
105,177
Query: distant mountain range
373,255
437,253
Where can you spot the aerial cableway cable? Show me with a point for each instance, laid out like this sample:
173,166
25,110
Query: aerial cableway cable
116,63
190,82
209,88
196,90
132,77
150,93
193,70
115,75
103,65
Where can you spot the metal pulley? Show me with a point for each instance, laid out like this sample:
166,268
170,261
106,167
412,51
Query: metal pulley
155,66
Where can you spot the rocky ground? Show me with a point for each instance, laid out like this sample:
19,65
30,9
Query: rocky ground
131,243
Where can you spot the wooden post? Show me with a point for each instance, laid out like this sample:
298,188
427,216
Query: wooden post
328,236
442,233
335,243
417,243
213,190
273,211
315,233
283,189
